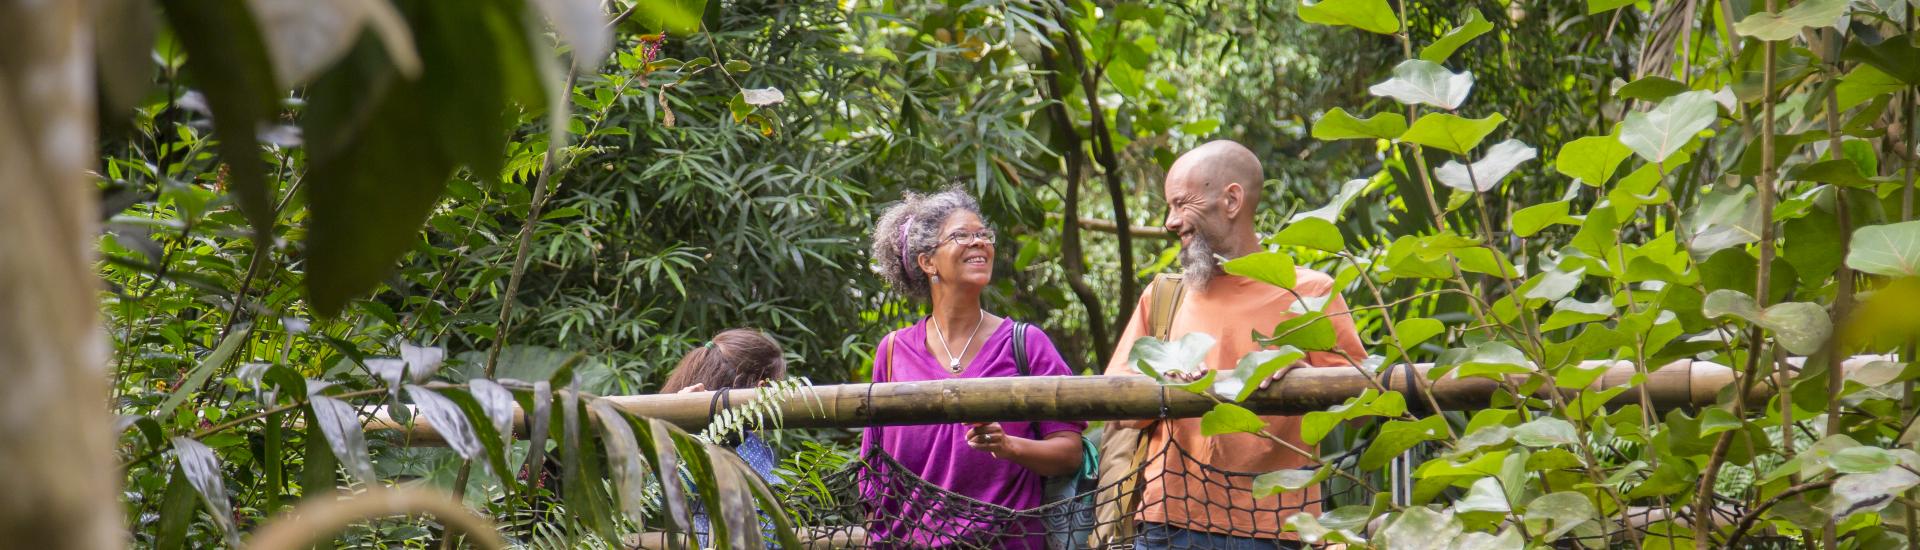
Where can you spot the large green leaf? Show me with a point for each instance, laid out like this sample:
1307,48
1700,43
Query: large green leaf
1331,211
1726,217
1801,327
1775,27
1273,268
1252,370
1661,132
1397,436
1493,360
1228,418
1555,514
1310,232
1442,48
1896,56
1529,221
1337,124
1413,332
1591,159
1418,82
1545,432
1421,528
1864,83
1487,173
1892,250
1368,15
202,469
676,17
1451,133
382,147
1652,88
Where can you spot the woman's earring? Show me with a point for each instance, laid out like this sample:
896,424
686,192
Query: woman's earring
936,277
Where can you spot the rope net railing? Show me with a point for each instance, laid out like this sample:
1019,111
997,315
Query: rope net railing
877,503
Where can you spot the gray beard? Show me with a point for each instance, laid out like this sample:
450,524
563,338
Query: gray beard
1198,264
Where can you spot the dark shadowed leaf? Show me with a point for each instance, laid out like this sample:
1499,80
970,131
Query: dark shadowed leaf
1896,57
1417,82
1451,133
1473,26
1337,124
178,506
202,469
623,453
227,57
1652,88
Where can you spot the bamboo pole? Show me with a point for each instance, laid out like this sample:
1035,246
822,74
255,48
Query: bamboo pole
1681,384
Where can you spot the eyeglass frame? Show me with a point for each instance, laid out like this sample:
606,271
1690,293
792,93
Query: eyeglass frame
984,236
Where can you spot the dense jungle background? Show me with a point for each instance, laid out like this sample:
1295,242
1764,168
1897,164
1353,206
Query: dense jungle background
301,215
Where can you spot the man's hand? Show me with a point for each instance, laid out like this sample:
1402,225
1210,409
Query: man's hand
1282,373
693,388
1184,376
989,437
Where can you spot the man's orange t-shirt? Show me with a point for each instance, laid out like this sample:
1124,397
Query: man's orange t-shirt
1231,309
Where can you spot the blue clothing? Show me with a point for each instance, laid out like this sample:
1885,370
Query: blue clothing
1154,536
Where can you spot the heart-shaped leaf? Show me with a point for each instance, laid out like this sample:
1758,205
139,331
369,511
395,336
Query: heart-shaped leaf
1591,159
1451,133
1273,268
1559,513
1419,82
1396,436
1891,250
1485,174
1493,360
1443,47
1368,15
1279,481
1775,27
1801,327
1310,232
1657,134
1337,124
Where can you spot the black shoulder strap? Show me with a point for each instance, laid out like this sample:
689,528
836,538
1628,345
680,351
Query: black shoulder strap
1020,348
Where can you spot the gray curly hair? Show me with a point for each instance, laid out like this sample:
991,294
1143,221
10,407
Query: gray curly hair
910,229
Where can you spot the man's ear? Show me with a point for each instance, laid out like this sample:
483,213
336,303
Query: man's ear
1233,198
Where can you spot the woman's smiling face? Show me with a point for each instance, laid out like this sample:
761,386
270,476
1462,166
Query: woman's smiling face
965,253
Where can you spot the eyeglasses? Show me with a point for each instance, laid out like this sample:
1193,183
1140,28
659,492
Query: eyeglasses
969,239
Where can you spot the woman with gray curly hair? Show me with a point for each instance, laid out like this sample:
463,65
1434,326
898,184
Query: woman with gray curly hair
937,249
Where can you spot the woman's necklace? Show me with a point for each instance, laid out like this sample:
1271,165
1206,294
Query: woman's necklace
953,361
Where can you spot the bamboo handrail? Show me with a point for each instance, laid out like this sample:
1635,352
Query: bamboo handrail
1680,384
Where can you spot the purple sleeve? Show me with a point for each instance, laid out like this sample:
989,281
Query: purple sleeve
1044,360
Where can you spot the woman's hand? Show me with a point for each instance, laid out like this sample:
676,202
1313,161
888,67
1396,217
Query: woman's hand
991,438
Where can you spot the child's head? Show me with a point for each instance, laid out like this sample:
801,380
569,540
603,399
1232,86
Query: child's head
735,358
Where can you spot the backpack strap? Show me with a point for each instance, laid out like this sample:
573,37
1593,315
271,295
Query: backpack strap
1020,349
1169,290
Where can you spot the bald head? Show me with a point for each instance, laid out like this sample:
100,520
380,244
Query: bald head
1208,170
1212,192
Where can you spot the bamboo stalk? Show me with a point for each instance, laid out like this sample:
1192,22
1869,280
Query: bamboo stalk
1680,384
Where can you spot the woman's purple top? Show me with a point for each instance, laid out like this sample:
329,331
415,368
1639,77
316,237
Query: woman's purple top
940,455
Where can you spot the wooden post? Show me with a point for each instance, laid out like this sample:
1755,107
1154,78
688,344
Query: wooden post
1676,385
59,481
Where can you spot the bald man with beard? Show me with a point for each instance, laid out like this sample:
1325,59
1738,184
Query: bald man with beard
1212,194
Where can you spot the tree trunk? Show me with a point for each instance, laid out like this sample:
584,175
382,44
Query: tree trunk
58,477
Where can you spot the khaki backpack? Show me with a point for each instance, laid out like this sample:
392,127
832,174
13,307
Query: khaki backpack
1123,449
